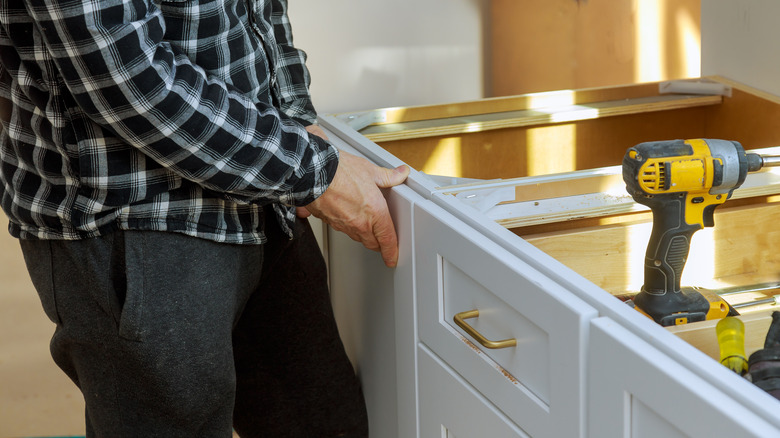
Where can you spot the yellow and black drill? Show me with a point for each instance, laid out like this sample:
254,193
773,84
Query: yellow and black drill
682,181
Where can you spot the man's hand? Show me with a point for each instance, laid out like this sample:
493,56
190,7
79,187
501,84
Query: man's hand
354,204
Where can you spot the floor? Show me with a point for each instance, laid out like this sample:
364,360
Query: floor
36,399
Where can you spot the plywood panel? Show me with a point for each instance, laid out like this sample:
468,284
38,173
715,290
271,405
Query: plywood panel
514,103
749,116
740,249
540,45
535,116
525,149
551,148
702,335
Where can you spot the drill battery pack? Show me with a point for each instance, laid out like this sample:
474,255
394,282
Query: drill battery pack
683,307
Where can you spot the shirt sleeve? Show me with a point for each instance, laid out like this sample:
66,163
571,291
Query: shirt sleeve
292,74
120,71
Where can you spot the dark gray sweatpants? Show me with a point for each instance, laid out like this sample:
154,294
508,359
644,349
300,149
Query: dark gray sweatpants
173,336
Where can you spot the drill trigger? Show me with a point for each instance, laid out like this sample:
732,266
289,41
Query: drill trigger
708,215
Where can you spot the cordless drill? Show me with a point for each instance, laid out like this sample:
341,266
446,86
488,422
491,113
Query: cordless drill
682,181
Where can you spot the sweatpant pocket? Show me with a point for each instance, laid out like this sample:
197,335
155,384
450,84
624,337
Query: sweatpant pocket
129,285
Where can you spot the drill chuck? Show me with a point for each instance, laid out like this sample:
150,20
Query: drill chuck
763,161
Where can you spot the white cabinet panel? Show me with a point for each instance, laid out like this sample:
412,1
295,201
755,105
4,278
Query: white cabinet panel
461,292
451,408
635,390
374,308
539,383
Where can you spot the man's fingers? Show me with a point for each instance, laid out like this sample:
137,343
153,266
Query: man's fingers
379,237
384,232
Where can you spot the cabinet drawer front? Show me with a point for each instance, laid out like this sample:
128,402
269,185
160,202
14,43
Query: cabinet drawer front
637,391
451,407
538,383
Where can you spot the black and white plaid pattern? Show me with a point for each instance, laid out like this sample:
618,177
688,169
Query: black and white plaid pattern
182,115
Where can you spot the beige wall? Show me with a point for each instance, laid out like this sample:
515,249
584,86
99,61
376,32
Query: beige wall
741,41
371,54
36,398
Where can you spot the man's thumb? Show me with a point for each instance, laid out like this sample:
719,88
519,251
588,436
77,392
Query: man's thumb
392,177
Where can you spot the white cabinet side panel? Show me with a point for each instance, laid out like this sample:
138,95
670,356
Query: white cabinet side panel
374,309
362,293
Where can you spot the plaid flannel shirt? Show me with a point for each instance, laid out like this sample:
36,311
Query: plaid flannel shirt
176,115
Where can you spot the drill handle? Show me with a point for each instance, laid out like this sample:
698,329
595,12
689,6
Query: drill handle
667,250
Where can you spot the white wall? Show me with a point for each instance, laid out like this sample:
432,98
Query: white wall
368,54
741,41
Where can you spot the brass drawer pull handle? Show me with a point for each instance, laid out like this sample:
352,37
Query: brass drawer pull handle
460,320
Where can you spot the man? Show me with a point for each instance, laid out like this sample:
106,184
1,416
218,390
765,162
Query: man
154,156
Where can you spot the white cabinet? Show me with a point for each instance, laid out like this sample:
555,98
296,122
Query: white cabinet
582,363
451,408
538,381
634,390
